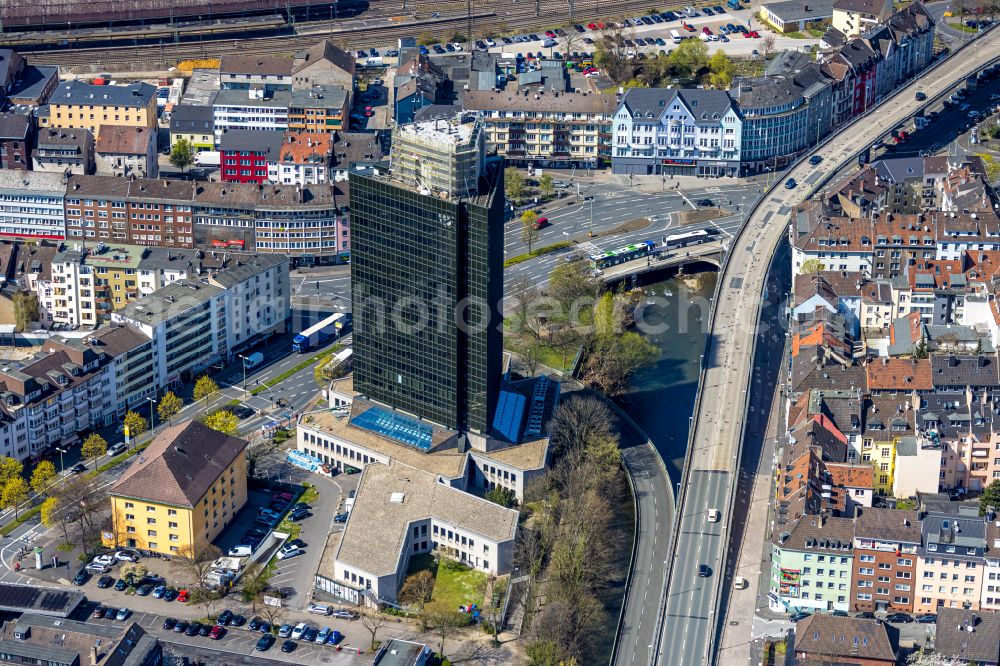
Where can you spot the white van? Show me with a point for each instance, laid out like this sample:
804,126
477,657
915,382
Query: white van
676,36
242,550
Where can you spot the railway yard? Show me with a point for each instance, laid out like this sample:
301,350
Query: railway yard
378,23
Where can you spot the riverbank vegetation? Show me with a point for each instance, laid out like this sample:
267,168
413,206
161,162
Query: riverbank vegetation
573,537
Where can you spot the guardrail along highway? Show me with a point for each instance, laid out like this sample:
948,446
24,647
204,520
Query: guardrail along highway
689,622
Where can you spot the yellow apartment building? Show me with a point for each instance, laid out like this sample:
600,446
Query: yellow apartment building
180,493
77,104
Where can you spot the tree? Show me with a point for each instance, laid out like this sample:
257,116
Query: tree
570,282
921,658
136,424
547,653
14,492
505,497
612,361
255,581
204,387
372,619
417,588
133,573
255,452
529,232
444,622
196,562
611,54
546,185
182,154
721,70
42,475
688,59
810,266
9,468
492,593
767,45
49,514
525,294
93,447
82,502
607,318
513,183
223,421
169,405
990,499
25,310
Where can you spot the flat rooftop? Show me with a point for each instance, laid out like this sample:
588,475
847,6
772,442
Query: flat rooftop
392,497
451,132
39,600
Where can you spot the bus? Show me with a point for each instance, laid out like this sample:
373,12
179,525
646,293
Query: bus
621,255
689,238
319,333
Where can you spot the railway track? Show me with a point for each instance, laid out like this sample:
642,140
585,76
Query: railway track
490,17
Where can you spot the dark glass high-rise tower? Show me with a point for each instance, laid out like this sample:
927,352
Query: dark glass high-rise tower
427,275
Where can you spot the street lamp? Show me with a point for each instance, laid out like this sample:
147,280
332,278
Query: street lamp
152,415
61,452
244,373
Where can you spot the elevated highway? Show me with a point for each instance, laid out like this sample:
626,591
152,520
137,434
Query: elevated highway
689,609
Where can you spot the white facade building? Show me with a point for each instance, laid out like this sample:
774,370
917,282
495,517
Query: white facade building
31,205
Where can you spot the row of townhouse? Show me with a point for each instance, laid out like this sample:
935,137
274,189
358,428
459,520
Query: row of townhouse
888,560
763,123
78,384
308,223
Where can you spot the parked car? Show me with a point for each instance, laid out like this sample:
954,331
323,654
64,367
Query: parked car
98,612
224,617
183,596
927,618
320,609
865,615
298,514
285,631
287,646
217,632
345,614
170,594
180,627
288,550
105,581
324,635
298,630
127,555
899,618
192,629
121,585
122,614
106,560
204,630
81,577
169,624
237,621
798,617
264,643
340,517
335,637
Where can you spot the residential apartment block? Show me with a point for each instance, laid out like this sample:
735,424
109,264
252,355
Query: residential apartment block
17,137
886,543
259,73
80,105
239,109
812,565
63,151
950,563
319,108
127,152
31,205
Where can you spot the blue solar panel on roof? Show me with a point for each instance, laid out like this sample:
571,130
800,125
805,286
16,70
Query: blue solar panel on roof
398,427
509,414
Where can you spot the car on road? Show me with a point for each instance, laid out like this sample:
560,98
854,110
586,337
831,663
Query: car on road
121,585
713,515
920,96
217,632
288,646
81,577
78,468
180,627
927,618
541,222
319,609
704,571
704,203
298,630
298,513
243,412
169,623
899,618
105,581
264,643
815,159
122,614
790,184
798,617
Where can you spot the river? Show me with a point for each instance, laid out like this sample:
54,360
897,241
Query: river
661,396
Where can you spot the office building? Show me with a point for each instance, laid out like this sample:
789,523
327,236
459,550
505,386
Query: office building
428,239
250,110
180,493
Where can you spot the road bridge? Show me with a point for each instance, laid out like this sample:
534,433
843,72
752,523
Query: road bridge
690,605
710,253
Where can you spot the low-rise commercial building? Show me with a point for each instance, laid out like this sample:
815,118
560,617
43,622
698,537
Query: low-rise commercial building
184,489
400,511
195,124
796,15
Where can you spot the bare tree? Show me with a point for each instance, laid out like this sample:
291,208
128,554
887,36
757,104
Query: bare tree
196,561
578,421
372,619
611,53
84,501
493,593
525,294
444,622
273,614
767,45
255,451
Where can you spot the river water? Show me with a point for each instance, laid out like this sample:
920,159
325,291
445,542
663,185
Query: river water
661,397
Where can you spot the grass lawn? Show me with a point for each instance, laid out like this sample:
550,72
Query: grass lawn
454,583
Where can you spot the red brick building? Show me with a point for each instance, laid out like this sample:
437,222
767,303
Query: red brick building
16,135
885,560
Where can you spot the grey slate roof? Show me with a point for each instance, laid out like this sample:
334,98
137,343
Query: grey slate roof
801,10
247,268
267,142
14,126
960,371
318,97
967,535
899,169
898,525
706,105
192,118
135,95
648,100
279,99
953,639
